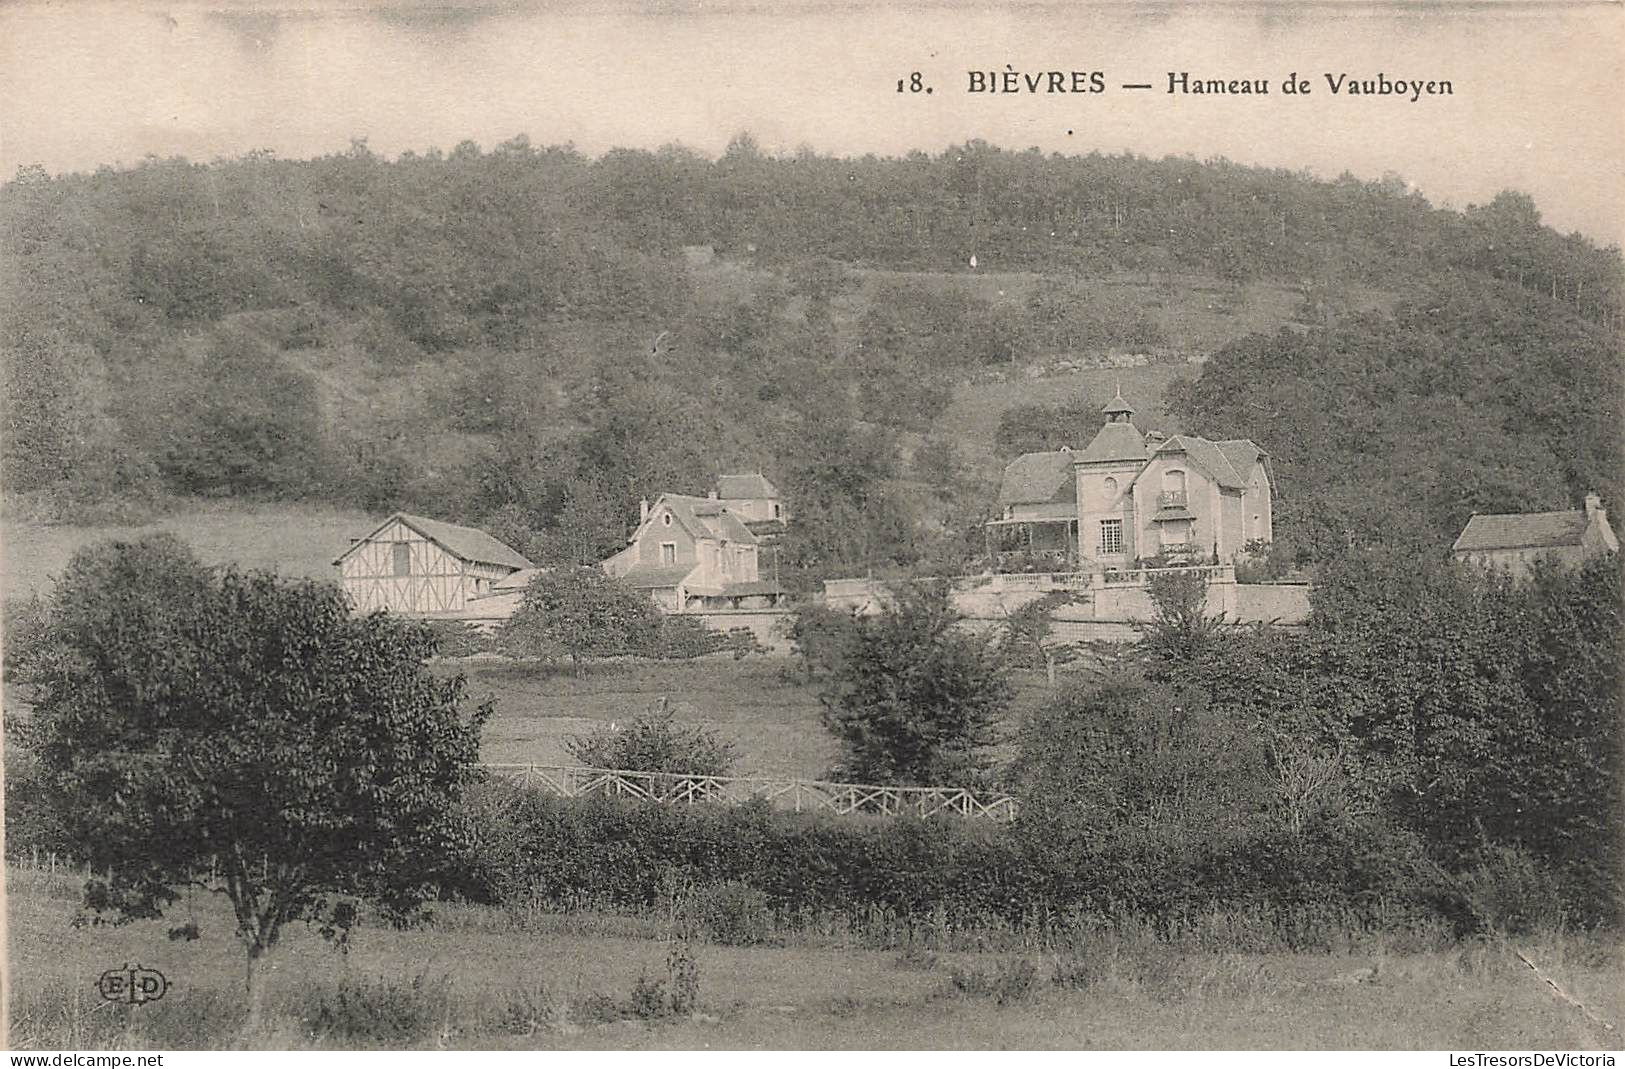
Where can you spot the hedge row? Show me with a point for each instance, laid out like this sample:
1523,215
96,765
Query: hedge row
627,855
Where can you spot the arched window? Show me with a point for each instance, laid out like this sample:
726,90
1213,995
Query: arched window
1173,479
1111,488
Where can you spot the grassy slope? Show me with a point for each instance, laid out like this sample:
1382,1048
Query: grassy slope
794,996
296,540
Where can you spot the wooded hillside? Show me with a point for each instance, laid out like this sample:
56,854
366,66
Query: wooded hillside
530,339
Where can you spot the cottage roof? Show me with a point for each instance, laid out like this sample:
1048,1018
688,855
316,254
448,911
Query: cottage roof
1242,453
753,485
465,543
705,517
519,580
1034,478
755,586
1522,530
656,576
1114,441
1206,455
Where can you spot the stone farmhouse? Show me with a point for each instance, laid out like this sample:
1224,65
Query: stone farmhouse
1128,497
1513,542
695,553
412,564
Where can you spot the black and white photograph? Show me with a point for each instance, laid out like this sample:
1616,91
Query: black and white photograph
790,525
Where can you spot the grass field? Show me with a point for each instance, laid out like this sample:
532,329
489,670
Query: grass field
483,978
296,540
755,703
761,704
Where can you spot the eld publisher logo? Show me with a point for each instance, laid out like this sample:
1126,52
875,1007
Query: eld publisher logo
132,984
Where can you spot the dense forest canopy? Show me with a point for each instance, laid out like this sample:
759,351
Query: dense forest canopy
532,339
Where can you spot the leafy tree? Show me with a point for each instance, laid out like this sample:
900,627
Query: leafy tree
914,699
655,741
1032,627
1123,752
246,735
1038,428
1180,627
578,613
1569,770
245,423
1423,662
819,636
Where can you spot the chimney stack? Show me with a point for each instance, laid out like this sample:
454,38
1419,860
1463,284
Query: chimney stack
1593,505
643,511
711,495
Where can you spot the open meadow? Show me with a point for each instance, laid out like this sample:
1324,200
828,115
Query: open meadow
763,705
488,978
299,541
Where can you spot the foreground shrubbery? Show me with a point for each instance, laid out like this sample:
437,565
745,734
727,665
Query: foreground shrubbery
628,856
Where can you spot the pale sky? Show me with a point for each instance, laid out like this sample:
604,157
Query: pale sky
1536,102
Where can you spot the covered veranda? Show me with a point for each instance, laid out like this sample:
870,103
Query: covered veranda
1032,544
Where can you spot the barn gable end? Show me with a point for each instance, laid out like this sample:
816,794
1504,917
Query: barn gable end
414,566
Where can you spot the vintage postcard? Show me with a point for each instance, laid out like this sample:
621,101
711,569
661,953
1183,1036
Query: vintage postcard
799,526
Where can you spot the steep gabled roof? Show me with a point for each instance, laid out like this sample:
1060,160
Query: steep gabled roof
1114,441
465,543
1036,478
1522,530
1207,456
753,485
703,517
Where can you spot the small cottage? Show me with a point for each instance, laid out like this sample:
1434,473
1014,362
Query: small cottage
1513,542
423,567
693,554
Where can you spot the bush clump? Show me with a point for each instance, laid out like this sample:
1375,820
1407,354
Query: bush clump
367,1012
655,741
733,913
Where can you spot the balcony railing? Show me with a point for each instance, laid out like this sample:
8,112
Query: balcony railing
1171,499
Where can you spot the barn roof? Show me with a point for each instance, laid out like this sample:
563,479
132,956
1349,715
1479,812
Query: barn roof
1033,478
752,485
465,543
1522,530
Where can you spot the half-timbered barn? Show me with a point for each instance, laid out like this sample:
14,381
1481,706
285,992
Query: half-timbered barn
411,564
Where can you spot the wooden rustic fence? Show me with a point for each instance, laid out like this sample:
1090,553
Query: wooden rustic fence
671,788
